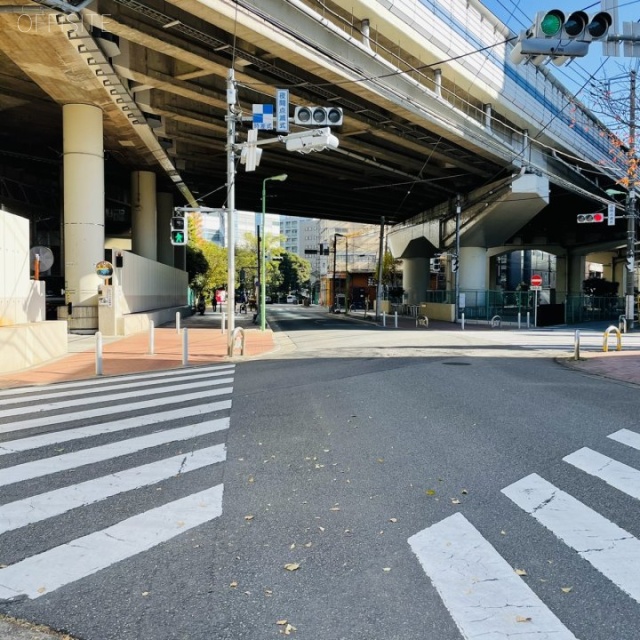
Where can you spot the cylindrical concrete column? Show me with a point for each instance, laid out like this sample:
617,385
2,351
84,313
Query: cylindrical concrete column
83,164
415,279
473,268
165,211
144,224
576,267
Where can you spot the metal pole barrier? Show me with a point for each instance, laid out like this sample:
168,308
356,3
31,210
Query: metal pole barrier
519,319
384,319
152,337
576,345
185,347
395,319
528,319
98,353
462,322
223,320
178,316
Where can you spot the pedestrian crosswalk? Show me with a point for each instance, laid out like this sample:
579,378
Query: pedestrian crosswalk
85,445
484,594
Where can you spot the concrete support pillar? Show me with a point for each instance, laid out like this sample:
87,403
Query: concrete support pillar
473,268
165,211
562,275
83,163
415,279
144,224
576,274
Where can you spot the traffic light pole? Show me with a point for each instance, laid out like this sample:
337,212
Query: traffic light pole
231,207
631,209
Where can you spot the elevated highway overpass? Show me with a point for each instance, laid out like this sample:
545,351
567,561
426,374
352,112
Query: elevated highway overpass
129,98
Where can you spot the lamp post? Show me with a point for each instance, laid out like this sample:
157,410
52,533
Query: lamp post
263,271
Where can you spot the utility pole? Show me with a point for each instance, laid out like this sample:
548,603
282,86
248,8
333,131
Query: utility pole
456,272
631,207
231,209
380,269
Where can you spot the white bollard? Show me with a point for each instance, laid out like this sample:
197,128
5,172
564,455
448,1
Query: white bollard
384,319
178,316
98,353
462,324
519,319
576,345
395,319
185,347
152,338
528,319
223,321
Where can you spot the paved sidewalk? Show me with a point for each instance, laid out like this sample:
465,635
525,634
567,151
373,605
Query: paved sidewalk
206,344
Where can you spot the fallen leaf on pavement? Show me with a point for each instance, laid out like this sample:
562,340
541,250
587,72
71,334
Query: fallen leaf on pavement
522,619
292,566
567,589
520,572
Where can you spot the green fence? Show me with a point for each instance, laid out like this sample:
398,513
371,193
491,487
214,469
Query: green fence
484,304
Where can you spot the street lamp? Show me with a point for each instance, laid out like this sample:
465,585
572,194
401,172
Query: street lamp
263,271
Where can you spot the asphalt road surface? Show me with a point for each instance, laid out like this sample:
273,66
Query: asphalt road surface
357,484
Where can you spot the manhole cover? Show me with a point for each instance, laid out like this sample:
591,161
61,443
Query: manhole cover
459,364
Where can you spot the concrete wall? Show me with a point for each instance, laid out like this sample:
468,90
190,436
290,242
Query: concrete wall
25,339
142,291
26,345
19,301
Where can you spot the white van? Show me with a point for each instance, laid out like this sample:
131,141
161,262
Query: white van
291,299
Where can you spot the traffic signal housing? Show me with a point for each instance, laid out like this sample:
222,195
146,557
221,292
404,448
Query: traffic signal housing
576,26
559,37
590,217
318,116
178,231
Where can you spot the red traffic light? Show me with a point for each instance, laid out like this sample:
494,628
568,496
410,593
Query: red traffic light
590,217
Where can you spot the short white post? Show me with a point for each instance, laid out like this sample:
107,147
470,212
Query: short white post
576,345
152,338
185,347
462,323
395,319
178,316
223,320
384,319
519,319
528,319
98,353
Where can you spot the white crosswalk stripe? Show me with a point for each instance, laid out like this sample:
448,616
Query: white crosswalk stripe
113,397
155,403
204,398
480,589
83,557
609,548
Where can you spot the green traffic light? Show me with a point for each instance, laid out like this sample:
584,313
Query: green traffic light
551,24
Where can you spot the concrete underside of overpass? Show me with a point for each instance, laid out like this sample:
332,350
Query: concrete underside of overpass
158,73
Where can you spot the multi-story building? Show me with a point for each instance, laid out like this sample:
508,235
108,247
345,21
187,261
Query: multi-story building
213,226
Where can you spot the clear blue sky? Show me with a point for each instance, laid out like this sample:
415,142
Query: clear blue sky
519,15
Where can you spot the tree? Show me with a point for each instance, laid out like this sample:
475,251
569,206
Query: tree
600,287
295,272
